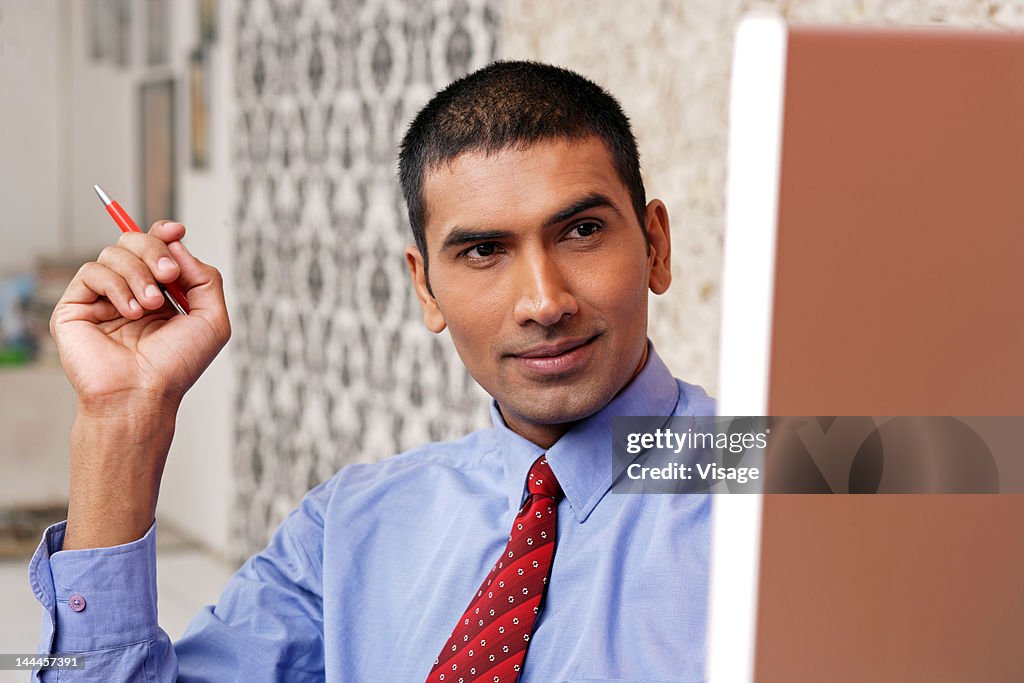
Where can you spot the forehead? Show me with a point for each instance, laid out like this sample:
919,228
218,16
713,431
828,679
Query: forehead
516,187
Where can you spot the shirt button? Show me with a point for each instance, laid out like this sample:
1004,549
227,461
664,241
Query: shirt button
76,602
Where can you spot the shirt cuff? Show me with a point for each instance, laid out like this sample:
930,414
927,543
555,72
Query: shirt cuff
96,598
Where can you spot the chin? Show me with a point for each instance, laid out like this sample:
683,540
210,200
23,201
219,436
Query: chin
561,407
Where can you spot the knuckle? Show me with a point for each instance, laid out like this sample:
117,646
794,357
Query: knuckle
139,269
107,253
135,242
222,332
224,325
90,270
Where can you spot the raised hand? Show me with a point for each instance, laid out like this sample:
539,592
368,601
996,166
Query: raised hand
130,359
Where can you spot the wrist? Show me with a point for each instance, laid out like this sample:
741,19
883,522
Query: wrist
146,407
117,460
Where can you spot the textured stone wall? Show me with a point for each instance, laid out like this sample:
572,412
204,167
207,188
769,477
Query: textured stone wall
668,63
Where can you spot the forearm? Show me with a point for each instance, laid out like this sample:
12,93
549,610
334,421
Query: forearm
114,620
118,453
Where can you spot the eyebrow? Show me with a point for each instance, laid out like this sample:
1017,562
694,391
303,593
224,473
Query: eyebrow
593,200
459,236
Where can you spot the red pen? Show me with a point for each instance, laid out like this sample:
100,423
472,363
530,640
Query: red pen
172,292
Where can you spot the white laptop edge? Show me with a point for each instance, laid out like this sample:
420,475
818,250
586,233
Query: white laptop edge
752,190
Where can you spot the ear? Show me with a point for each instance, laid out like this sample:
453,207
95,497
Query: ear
660,237
432,317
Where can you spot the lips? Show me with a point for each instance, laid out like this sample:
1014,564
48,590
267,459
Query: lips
557,357
551,350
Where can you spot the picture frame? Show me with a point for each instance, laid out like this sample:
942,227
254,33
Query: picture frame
158,31
122,52
207,21
101,29
157,150
109,26
199,108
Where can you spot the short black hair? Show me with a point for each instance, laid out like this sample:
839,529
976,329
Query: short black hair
513,104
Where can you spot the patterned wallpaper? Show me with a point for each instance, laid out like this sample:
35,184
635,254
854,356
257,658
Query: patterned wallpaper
334,365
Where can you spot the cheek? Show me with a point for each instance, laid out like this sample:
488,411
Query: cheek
473,316
617,286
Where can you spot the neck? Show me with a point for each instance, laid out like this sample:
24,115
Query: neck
543,435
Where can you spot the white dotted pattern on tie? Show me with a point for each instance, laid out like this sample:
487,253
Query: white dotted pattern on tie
500,636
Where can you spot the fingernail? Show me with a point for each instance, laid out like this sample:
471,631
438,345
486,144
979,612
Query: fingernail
152,291
166,265
134,305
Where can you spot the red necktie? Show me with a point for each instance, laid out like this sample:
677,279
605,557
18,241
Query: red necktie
490,640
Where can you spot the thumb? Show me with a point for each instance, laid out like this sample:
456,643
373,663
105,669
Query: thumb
203,284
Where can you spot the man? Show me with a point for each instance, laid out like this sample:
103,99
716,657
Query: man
535,248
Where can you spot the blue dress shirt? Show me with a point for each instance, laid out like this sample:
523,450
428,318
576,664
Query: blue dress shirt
366,579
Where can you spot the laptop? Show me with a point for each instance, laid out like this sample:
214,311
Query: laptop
874,265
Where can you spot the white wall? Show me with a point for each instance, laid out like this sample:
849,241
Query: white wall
30,154
198,486
197,492
68,122
104,134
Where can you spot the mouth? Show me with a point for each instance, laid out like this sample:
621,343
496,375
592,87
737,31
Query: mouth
556,358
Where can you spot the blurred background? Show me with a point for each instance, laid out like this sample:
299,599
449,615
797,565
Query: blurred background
270,128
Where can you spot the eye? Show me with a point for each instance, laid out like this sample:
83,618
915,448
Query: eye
481,251
585,229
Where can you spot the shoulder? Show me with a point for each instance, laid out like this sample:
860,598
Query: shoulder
693,400
417,467
397,488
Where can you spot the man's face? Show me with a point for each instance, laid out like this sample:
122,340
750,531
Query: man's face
540,272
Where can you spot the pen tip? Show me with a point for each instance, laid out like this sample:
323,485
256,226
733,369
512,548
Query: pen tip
103,195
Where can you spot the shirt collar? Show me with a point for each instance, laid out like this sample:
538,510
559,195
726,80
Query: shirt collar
582,458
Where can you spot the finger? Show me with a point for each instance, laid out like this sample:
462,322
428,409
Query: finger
204,287
194,273
153,252
135,272
167,231
94,280
100,311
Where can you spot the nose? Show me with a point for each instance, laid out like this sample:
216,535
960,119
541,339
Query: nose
542,292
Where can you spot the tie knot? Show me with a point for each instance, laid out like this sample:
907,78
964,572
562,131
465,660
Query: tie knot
541,480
